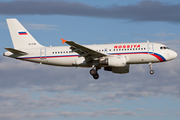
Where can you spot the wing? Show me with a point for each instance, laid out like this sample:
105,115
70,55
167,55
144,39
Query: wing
83,51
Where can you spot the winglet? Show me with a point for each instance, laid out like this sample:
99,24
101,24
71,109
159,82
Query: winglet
63,41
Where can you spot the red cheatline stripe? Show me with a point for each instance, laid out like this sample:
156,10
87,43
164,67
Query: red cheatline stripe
155,55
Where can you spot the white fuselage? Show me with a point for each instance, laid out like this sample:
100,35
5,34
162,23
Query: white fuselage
137,53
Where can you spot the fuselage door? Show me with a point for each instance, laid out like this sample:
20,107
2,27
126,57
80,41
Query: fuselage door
150,48
105,50
43,53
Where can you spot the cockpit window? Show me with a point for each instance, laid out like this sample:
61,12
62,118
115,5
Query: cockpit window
164,47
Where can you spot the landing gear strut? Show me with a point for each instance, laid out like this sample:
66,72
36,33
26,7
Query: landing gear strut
94,73
150,67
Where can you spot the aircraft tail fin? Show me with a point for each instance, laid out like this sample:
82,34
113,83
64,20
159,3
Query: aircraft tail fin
21,38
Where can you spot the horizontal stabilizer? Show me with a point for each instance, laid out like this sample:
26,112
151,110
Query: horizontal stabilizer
16,51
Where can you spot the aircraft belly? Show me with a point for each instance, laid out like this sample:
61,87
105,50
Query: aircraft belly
61,61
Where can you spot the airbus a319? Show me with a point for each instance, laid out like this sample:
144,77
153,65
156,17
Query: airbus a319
112,57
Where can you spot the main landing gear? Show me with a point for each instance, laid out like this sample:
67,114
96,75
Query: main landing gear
94,73
150,67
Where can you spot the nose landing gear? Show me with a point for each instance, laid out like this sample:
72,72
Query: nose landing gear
150,67
94,73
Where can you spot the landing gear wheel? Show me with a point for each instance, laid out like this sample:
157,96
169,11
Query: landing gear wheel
150,67
93,72
151,72
96,76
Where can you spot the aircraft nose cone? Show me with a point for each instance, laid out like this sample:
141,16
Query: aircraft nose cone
173,55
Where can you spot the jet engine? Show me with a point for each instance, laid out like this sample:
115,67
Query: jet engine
117,61
114,61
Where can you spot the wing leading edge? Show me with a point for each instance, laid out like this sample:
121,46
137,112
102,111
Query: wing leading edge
87,53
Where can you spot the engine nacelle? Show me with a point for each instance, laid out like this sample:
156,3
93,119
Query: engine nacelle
118,70
117,61
80,62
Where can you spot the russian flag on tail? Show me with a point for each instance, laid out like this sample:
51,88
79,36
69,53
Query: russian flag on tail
22,33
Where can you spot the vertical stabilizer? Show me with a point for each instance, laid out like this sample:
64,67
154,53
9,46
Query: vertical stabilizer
21,38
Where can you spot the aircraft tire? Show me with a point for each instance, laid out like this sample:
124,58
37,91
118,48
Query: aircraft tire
93,72
96,76
151,72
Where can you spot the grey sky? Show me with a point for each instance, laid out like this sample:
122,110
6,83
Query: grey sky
57,82
142,11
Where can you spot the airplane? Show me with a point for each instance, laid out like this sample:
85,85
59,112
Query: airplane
112,57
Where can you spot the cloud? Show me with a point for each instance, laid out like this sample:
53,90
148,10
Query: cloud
108,112
142,109
27,87
165,34
177,113
16,101
128,95
17,104
153,114
41,26
142,11
156,34
27,116
172,43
